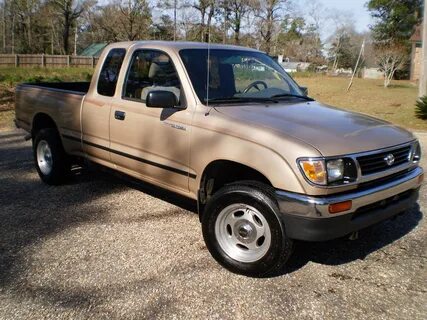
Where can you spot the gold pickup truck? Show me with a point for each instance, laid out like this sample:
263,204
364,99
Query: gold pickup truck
228,127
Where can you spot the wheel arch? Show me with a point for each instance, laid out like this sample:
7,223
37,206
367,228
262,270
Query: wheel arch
222,172
42,121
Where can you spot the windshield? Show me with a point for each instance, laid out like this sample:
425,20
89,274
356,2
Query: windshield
237,75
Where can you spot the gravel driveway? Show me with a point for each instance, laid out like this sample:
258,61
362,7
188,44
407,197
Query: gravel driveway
102,247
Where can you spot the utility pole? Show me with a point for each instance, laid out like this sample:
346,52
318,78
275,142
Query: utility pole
174,19
13,33
422,90
362,50
225,26
75,41
4,27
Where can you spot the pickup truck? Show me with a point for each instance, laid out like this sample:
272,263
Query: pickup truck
228,127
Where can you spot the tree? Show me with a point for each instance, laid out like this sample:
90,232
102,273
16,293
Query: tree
395,19
122,21
345,47
69,11
135,18
207,9
235,11
298,40
390,58
164,30
269,13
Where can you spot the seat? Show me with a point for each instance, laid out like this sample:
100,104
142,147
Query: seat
163,77
227,84
221,81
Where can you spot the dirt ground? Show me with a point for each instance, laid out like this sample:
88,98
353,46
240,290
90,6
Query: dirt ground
105,248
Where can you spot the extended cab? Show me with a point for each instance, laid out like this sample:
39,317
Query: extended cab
226,126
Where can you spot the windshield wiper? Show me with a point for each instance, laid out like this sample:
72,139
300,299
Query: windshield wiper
292,95
240,99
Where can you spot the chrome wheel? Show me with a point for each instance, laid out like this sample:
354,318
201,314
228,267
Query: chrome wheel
243,232
44,157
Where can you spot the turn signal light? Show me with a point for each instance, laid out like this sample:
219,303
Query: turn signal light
340,206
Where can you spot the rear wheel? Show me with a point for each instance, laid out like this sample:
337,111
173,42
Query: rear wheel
52,163
243,230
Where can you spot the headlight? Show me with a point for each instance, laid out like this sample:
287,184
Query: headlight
416,156
335,170
329,171
314,170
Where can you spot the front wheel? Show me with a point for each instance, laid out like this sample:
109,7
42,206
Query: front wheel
243,230
52,163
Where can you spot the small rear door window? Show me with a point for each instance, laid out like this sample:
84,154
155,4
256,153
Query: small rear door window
110,72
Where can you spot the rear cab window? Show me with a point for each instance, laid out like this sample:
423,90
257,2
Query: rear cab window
107,81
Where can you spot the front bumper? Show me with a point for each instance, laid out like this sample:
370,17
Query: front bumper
308,218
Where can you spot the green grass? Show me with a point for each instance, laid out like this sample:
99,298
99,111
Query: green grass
10,77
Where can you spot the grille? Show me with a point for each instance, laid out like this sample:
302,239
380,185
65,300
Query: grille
375,163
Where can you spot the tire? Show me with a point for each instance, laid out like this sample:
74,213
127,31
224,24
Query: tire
243,231
52,163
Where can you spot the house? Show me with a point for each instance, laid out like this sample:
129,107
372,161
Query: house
292,66
372,73
416,53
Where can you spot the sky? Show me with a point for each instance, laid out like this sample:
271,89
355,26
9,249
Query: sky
356,8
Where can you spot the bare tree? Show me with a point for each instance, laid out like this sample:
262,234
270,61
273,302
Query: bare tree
69,10
122,20
135,18
207,9
390,58
234,12
269,13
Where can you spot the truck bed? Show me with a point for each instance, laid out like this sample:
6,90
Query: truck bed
75,87
59,101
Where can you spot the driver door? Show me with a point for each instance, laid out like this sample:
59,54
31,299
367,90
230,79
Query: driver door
151,143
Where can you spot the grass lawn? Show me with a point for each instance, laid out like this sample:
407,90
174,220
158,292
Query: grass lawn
395,104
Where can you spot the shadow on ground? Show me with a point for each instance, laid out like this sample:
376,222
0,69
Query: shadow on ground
32,212
343,250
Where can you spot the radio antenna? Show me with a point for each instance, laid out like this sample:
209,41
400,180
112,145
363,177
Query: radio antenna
208,69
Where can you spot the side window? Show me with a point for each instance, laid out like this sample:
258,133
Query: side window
150,70
110,72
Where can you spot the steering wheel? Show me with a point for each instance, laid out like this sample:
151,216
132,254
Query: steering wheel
255,85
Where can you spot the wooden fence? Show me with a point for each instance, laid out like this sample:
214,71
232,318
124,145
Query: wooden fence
44,60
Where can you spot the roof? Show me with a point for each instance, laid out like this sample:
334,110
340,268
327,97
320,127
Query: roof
94,50
416,36
178,45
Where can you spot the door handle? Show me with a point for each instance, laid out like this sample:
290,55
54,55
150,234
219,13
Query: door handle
120,115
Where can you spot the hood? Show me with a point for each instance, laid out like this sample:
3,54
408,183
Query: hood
330,130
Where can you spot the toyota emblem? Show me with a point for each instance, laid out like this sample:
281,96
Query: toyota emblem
389,159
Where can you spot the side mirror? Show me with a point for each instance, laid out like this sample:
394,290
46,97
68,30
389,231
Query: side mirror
304,91
161,99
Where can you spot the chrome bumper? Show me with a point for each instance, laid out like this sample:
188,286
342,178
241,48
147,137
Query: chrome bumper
318,207
308,218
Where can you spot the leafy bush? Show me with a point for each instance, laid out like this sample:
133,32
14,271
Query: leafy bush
421,108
